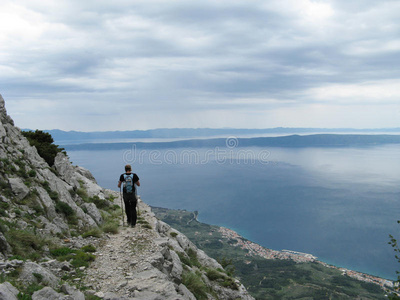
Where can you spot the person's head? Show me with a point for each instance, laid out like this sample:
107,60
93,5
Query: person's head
128,168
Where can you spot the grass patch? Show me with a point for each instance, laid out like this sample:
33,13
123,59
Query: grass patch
147,226
111,227
25,244
193,257
223,279
95,232
78,258
144,223
189,258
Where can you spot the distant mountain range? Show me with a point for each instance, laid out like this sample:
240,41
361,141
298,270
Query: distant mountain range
214,137
313,140
61,135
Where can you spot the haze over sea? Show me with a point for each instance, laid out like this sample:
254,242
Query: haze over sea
337,203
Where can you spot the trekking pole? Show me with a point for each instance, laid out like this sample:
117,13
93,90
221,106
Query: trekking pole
137,203
122,207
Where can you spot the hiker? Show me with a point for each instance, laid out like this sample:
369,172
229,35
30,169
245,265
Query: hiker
129,193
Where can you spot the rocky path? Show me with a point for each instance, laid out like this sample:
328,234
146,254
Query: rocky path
118,258
131,264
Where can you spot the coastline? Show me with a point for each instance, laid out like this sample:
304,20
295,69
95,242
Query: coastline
299,257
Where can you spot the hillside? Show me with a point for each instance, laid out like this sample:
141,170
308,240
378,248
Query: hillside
61,237
270,274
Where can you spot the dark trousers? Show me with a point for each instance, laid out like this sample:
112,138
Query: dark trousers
130,208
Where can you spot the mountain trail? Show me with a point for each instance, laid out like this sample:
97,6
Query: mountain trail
118,258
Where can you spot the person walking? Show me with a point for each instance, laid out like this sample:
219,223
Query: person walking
130,181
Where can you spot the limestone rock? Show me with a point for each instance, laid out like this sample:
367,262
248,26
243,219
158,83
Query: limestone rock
184,242
72,291
85,173
177,268
92,211
34,158
4,246
4,118
207,261
46,277
18,187
153,281
48,293
67,172
7,290
186,293
91,187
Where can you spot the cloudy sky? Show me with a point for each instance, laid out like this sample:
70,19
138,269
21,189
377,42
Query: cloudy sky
98,65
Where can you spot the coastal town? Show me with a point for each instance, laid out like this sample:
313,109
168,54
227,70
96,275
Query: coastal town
299,257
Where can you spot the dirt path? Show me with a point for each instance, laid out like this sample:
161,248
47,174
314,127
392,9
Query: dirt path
118,257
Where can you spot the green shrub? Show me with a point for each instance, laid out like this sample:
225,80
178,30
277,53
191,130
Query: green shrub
43,142
38,276
89,248
193,257
214,275
82,259
61,251
184,259
67,211
223,279
32,173
81,192
53,195
3,213
195,284
173,234
100,204
27,291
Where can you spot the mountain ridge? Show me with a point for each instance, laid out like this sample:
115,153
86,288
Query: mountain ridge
55,220
62,135
314,140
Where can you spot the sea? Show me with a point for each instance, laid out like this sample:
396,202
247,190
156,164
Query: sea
337,203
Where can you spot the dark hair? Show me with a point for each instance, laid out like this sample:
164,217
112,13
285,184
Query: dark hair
128,168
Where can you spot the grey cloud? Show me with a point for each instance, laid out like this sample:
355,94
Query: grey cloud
185,55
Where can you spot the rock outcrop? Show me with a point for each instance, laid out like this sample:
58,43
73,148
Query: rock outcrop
54,220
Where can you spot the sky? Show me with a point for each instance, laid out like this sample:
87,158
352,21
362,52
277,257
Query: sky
99,65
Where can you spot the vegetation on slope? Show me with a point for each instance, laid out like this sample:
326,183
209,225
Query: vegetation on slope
269,279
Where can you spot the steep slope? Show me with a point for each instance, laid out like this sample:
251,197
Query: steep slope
55,220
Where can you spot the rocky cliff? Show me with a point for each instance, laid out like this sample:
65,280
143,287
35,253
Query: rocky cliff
61,237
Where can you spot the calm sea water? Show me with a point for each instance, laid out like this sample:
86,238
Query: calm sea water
339,204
